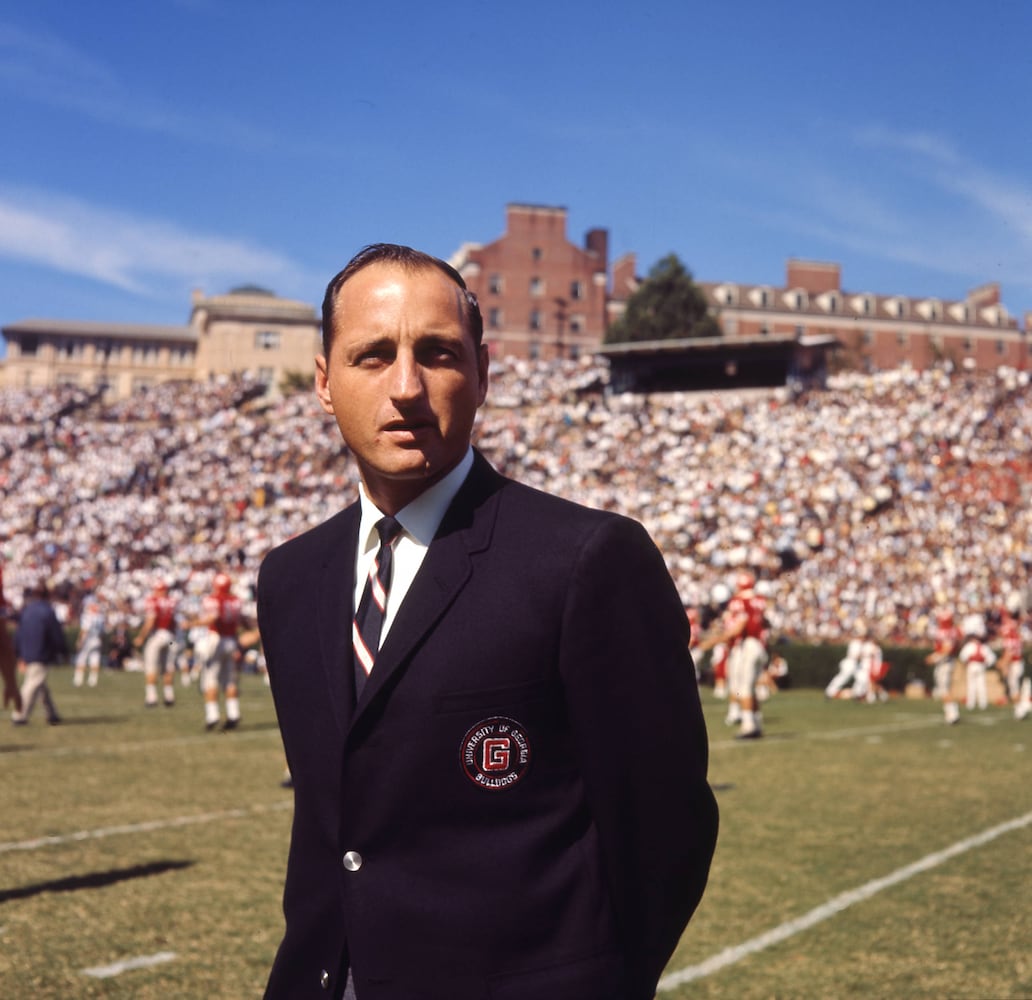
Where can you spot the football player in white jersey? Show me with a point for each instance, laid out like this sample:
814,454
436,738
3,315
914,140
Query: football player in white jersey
943,658
90,644
849,665
977,657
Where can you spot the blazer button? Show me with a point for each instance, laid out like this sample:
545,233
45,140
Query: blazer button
352,861
324,979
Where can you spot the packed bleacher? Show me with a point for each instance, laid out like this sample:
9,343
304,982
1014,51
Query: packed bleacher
881,497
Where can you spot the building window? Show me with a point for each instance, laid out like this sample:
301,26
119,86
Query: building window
576,324
764,299
1001,347
901,338
968,345
535,319
800,329
495,284
868,337
576,289
494,318
534,350
266,375
537,286
573,352
536,253
29,345
266,340
764,330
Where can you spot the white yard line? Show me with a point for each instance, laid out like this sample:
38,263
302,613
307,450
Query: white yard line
148,827
731,956
206,739
880,729
117,968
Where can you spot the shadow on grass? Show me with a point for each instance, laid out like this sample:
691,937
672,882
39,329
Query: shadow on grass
95,880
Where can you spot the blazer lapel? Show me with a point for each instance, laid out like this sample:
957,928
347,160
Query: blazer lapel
465,529
337,586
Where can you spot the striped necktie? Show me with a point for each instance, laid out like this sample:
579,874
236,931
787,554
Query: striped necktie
368,623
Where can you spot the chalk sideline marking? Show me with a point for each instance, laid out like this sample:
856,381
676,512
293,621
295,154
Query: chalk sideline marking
881,729
834,906
117,968
148,827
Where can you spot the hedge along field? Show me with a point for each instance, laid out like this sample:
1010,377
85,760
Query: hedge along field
142,857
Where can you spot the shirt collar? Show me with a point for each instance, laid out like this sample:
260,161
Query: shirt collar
422,517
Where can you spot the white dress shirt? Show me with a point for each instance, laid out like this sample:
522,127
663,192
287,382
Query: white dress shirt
419,521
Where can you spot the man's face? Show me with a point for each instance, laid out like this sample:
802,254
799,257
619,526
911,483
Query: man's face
403,379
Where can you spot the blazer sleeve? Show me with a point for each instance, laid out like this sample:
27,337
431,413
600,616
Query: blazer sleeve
639,731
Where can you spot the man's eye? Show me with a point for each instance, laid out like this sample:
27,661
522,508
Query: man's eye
370,359
439,353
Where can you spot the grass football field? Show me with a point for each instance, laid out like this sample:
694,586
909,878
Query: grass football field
865,851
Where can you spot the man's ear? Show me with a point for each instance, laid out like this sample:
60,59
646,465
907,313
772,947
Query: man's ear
322,383
483,367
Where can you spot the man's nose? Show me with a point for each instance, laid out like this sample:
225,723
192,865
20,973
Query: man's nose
406,377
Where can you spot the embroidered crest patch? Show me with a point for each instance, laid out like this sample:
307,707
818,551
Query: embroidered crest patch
496,753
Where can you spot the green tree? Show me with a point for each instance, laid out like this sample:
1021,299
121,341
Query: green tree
668,305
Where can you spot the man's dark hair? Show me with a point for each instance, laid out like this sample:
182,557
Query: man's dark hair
412,260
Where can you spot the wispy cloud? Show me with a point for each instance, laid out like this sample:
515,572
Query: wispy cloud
43,67
1004,199
145,256
911,198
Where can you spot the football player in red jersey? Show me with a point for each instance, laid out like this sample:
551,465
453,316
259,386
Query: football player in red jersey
222,615
743,629
1011,663
157,638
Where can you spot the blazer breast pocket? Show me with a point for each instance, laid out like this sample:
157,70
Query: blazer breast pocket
497,699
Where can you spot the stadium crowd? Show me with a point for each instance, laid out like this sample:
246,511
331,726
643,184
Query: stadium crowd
879,498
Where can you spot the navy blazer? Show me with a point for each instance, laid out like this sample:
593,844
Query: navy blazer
517,805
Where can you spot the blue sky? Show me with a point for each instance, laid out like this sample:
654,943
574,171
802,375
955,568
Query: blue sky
150,148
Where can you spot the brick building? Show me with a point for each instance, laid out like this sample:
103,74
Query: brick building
874,331
541,295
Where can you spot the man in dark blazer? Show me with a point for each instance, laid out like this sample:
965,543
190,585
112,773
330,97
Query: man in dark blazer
511,802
